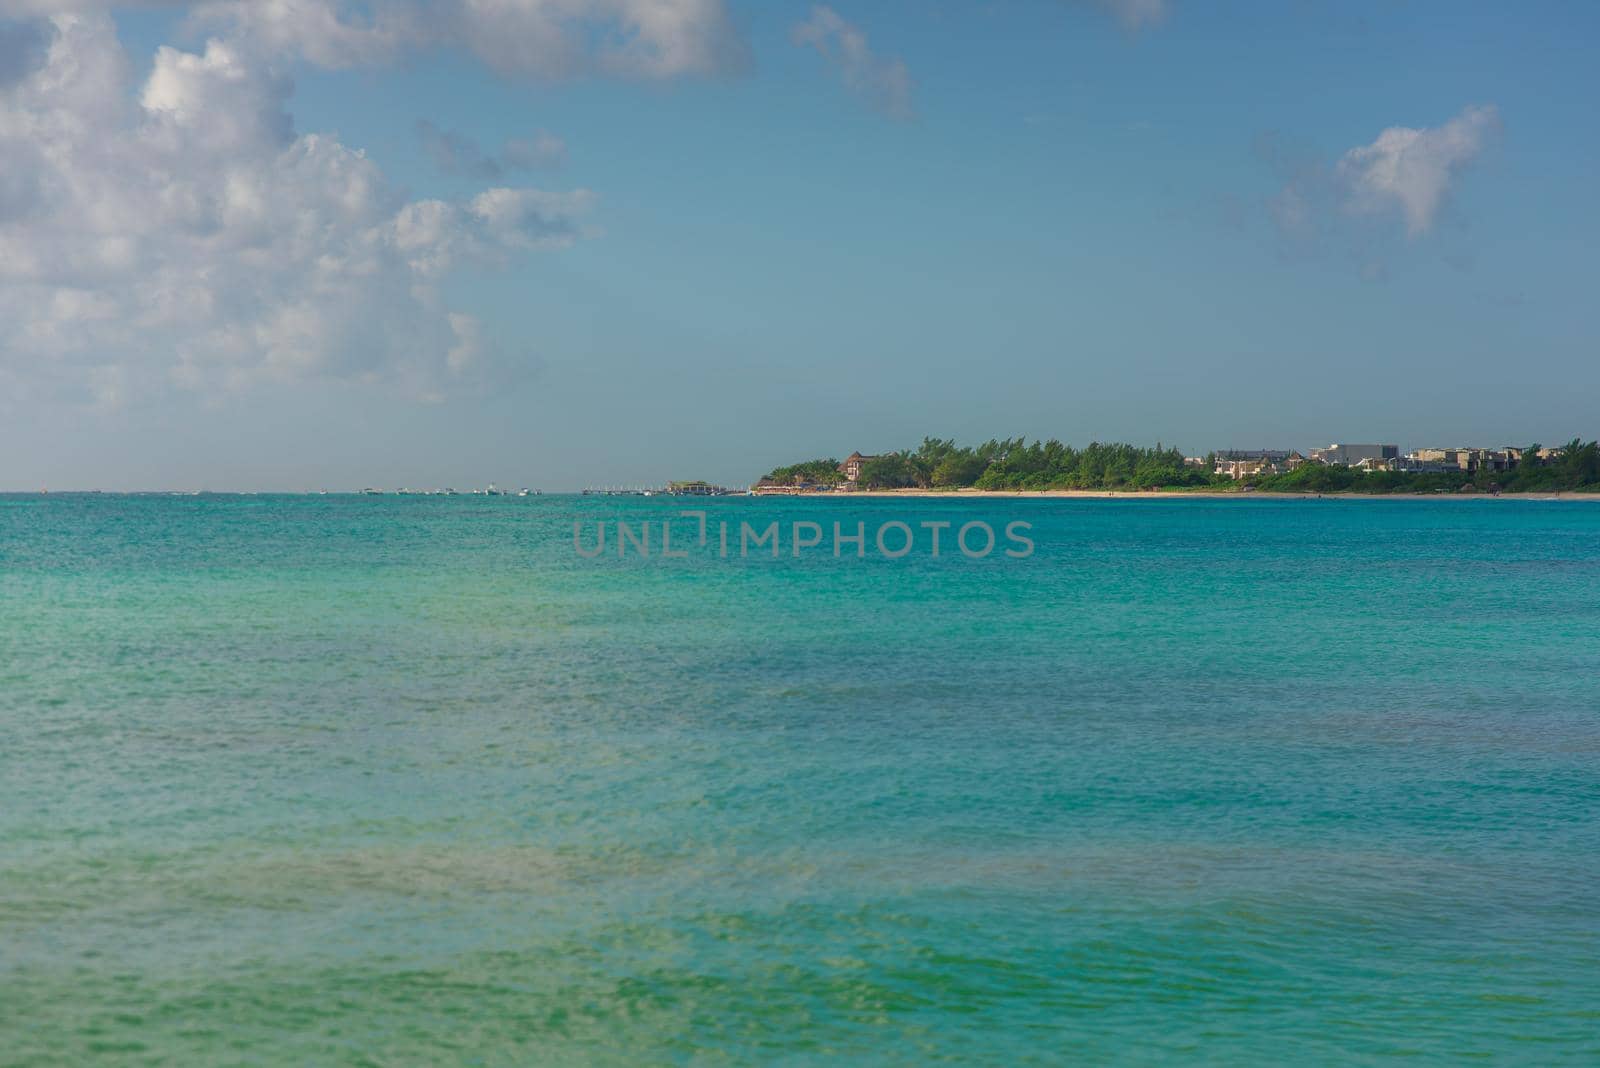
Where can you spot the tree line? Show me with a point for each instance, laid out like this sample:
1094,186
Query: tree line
1019,464
1009,463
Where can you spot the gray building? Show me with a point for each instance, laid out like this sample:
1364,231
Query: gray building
1350,455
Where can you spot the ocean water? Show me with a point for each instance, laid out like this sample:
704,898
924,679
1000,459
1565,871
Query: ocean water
353,780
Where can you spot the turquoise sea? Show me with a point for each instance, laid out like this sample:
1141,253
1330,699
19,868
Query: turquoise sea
406,781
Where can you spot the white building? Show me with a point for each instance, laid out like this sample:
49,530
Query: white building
1247,463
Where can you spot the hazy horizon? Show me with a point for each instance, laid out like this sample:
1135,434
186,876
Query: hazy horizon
467,483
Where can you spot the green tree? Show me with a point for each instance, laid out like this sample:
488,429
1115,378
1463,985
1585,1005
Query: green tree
958,469
812,472
891,471
1580,463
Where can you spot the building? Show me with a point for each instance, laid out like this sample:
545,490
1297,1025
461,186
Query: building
1248,463
851,468
765,488
697,488
1352,455
1469,460
1244,468
1413,464
1497,459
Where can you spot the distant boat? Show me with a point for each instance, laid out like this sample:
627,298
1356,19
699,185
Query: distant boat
371,492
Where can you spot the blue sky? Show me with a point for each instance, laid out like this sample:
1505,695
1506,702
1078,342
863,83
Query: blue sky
1131,221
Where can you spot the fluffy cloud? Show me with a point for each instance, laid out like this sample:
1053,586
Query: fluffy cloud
1405,173
1412,170
457,153
543,39
328,33
187,233
560,38
885,83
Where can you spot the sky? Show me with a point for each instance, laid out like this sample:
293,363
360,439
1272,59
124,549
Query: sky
306,244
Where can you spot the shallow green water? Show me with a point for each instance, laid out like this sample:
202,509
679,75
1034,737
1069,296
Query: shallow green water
406,781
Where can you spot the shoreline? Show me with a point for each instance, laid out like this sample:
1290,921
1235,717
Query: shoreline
1130,495
1226,495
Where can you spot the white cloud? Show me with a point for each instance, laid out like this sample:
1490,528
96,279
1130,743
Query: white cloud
1405,174
557,38
545,39
1412,170
469,343
529,218
216,98
328,33
186,233
885,83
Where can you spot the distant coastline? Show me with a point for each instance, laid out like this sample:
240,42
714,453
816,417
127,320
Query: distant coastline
1211,494
1052,468
961,493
